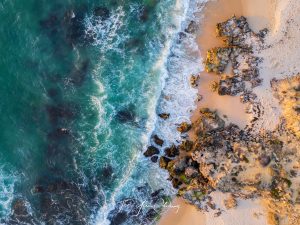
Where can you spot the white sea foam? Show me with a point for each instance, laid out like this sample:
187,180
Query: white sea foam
105,33
179,58
7,187
178,97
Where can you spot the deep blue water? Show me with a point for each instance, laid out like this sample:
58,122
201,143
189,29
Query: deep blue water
80,81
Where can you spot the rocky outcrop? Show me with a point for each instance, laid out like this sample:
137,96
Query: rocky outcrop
239,40
217,59
288,93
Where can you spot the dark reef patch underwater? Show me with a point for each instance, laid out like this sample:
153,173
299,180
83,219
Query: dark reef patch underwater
79,83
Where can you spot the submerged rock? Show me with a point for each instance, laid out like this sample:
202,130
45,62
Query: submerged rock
102,12
126,115
79,73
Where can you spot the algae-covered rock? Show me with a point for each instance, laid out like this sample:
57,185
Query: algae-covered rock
194,80
217,59
184,127
186,145
163,162
232,27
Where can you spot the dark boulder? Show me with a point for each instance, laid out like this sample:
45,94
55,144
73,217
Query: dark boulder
151,150
154,159
164,115
151,214
172,151
192,27
119,218
158,141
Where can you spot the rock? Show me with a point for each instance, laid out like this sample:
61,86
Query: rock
145,11
126,115
56,113
102,12
151,150
164,116
158,141
176,183
264,160
217,59
194,80
191,172
79,73
192,27
119,218
184,127
107,172
151,214
186,145
38,189
50,23
230,202
208,121
262,33
233,27
163,162
230,86
172,151
19,207
154,158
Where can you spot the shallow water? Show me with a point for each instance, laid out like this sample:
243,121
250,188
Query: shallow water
79,95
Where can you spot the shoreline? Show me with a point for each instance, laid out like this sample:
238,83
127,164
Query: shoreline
230,106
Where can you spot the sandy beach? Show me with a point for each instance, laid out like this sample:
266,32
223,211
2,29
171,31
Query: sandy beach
260,14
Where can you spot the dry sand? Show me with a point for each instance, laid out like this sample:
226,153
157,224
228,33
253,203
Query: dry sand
260,14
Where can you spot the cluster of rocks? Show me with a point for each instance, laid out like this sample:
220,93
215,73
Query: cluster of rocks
227,159
239,40
288,92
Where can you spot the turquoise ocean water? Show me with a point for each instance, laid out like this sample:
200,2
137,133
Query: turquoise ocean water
80,86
